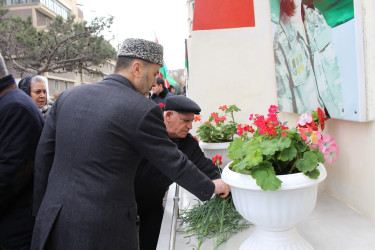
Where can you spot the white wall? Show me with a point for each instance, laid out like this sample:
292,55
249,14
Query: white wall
236,66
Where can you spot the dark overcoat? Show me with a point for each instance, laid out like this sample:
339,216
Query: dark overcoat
151,184
162,96
93,140
21,124
150,181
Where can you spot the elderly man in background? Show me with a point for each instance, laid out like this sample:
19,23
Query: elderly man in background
21,124
151,184
91,145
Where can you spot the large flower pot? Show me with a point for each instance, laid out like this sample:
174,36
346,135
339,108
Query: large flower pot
210,149
274,213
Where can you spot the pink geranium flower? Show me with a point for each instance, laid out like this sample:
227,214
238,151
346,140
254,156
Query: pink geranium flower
304,119
332,154
326,143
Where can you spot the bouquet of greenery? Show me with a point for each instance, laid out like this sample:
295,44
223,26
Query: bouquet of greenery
220,127
271,148
216,218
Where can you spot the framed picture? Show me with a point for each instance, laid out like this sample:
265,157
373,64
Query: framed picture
319,57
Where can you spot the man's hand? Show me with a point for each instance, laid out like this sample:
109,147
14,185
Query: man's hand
221,188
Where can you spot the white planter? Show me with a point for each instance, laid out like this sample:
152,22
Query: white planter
274,213
218,148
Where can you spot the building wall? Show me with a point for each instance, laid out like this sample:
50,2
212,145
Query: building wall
23,13
236,66
57,86
41,19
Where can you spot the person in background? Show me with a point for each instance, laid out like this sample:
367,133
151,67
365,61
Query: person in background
151,184
160,92
36,88
183,93
21,124
172,89
91,145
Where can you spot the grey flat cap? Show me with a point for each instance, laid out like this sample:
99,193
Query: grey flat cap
142,49
181,104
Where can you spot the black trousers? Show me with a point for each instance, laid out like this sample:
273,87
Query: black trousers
150,212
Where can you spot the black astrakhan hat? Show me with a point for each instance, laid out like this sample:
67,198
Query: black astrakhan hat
181,104
142,49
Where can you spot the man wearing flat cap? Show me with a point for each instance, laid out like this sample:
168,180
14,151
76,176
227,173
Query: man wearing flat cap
91,145
151,184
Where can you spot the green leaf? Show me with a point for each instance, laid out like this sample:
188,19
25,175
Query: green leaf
301,146
319,155
288,154
239,166
265,176
244,171
314,115
269,147
313,174
284,142
235,149
254,158
308,162
249,146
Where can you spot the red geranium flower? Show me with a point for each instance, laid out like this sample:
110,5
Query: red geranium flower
197,118
223,108
217,160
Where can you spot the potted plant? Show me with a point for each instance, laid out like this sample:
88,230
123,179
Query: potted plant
215,134
275,174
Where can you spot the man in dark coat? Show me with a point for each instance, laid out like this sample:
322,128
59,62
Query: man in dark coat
21,124
151,184
160,92
93,140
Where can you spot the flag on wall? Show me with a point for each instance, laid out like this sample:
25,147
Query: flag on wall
163,70
335,12
186,58
223,14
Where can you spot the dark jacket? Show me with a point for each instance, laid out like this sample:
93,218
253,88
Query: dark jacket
162,96
150,181
150,187
21,124
94,138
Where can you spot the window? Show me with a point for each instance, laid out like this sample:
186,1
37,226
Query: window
56,85
11,2
66,85
56,7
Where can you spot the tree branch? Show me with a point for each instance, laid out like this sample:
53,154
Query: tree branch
3,67
58,46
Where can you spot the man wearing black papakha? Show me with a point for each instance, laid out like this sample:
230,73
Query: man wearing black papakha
151,184
91,145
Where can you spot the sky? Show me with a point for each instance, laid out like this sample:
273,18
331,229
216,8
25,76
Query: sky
146,19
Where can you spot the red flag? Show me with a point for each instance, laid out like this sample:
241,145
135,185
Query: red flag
223,14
